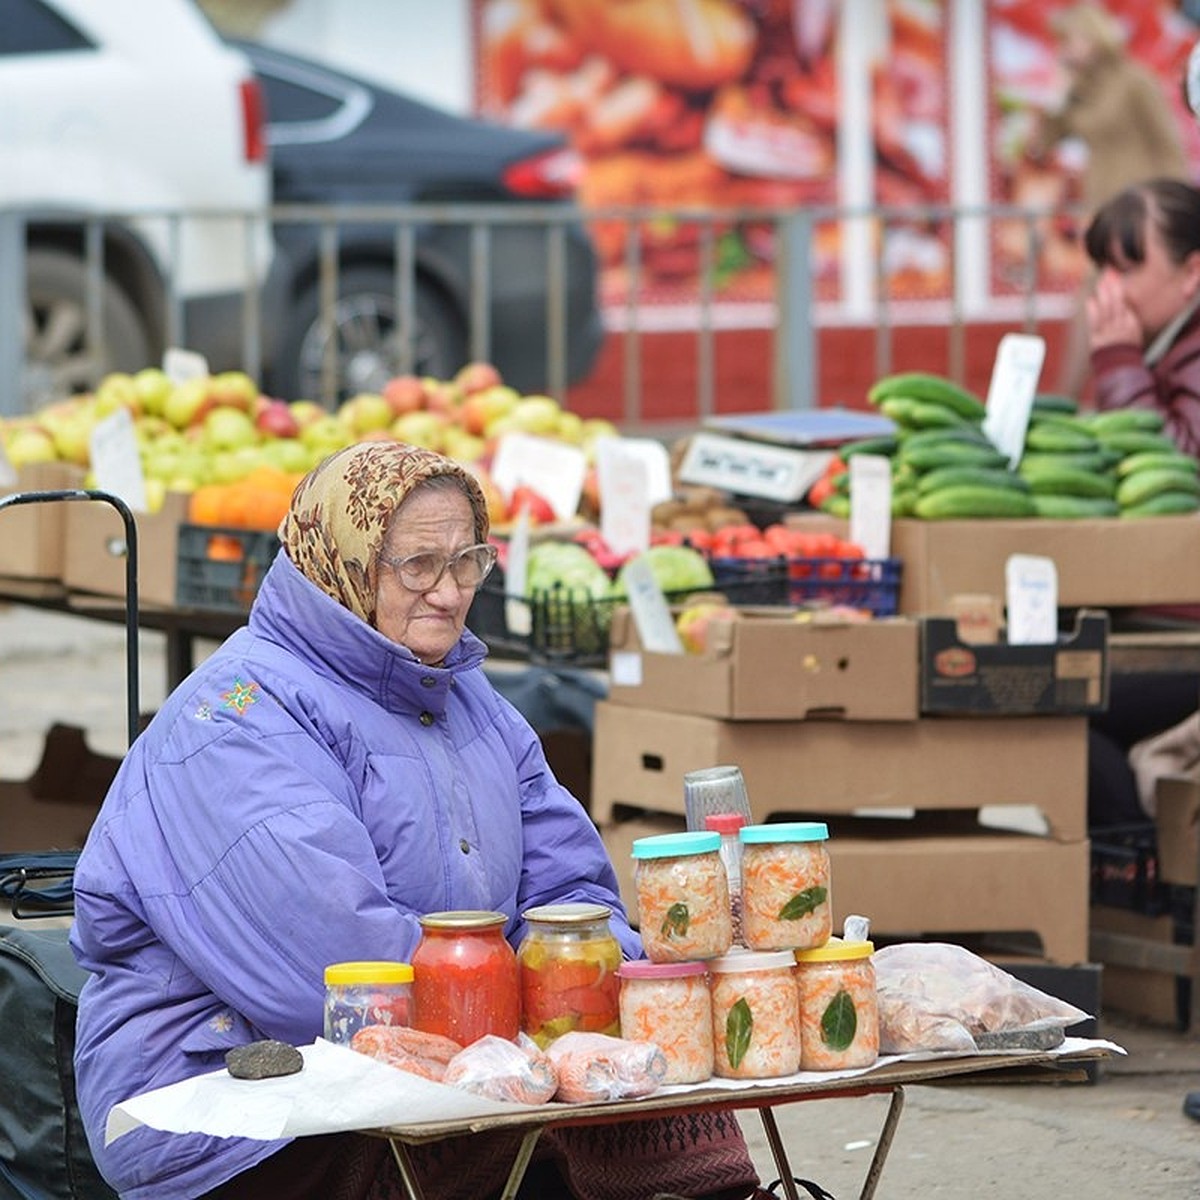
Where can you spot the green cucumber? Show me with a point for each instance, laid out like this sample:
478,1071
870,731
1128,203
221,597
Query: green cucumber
1150,460
1066,481
1053,434
969,502
946,454
936,389
1165,504
959,476
1072,507
1141,486
1127,420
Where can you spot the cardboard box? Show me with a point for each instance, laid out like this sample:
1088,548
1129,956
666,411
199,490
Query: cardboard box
1070,676
767,665
1176,810
1103,563
95,550
1152,995
640,757
32,536
939,886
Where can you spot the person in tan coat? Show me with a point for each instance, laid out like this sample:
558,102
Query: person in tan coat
1120,111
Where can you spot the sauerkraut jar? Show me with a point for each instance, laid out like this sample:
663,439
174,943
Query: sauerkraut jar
670,1005
756,1015
785,885
839,1008
682,896
568,960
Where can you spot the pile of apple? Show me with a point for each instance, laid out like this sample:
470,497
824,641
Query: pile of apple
219,428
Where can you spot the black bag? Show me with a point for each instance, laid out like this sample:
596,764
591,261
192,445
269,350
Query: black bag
44,1153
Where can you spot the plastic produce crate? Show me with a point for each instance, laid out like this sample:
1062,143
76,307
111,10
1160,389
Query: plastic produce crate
218,567
870,584
1124,870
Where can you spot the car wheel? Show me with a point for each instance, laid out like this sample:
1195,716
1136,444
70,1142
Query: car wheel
367,347
58,360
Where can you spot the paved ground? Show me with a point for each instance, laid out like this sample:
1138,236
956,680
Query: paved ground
1123,1136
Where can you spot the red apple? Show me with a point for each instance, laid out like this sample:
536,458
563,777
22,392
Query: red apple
541,511
476,376
694,623
405,393
276,419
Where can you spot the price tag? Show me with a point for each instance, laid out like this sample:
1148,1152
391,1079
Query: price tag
553,469
1013,385
751,468
655,626
1031,585
116,464
518,615
181,365
626,493
871,504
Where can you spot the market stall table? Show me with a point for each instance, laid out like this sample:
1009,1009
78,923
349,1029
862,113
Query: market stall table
340,1090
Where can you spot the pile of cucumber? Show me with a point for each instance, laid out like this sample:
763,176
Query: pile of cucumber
1075,464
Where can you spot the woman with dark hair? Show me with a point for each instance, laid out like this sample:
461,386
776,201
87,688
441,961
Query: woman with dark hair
338,768
1144,313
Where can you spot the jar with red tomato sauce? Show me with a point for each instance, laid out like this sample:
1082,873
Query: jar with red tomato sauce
465,978
568,964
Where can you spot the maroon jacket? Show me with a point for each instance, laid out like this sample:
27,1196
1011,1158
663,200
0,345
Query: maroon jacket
1171,385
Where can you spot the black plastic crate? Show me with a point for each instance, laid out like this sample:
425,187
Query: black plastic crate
219,567
1124,870
870,584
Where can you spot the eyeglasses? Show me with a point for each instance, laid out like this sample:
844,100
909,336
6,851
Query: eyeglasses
423,572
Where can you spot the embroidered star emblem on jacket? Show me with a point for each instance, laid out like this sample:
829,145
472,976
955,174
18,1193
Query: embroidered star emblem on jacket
240,696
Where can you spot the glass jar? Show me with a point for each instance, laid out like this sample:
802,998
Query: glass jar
670,1005
365,993
785,885
756,1015
682,896
568,963
839,1007
465,981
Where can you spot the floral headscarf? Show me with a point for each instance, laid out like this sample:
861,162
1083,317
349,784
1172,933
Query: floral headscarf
339,514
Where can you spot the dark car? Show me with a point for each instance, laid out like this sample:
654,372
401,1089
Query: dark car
337,140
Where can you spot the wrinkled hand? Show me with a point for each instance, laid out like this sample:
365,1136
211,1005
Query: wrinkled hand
1111,322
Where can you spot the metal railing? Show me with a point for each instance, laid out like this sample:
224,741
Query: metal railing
797,306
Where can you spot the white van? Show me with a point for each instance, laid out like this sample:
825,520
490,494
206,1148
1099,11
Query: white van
132,110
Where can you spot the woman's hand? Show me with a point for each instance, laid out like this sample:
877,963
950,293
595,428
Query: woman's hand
1111,322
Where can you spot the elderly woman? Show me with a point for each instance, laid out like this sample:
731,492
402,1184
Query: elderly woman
337,768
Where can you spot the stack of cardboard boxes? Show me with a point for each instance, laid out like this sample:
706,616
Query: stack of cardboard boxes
940,824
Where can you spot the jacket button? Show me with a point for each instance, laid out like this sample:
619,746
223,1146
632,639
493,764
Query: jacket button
464,846
426,718
428,681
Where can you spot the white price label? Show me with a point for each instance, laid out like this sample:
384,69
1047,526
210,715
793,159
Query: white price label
871,504
553,469
181,366
517,614
624,496
655,626
1031,584
116,464
1011,391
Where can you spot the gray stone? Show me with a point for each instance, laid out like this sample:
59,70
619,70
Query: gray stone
263,1060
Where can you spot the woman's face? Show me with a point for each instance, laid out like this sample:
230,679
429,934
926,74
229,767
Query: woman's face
1157,289
431,521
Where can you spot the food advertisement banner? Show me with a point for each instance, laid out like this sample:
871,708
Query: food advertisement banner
754,108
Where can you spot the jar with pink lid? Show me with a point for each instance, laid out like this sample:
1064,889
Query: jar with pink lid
670,1005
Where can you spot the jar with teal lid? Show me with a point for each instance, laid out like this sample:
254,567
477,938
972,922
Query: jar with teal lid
682,896
785,885
839,1006
365,993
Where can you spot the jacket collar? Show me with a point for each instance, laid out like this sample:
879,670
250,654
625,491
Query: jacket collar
292,612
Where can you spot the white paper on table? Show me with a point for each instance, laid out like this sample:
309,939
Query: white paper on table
341,1090
338,1090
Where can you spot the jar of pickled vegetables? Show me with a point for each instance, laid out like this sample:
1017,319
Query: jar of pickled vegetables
682,896
785,885
839,1008
756,1015
670,1004
465,979
568,963
365,993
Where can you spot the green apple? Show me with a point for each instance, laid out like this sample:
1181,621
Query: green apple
481,408
365,413
570,427
28,444
153,386
116,390
306,411
287,454
462,446
228,429
421,428
536,414
325,433
233,389
187,403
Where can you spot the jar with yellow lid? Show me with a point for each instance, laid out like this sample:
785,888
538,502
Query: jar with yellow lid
365,993
839,1007
568,962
